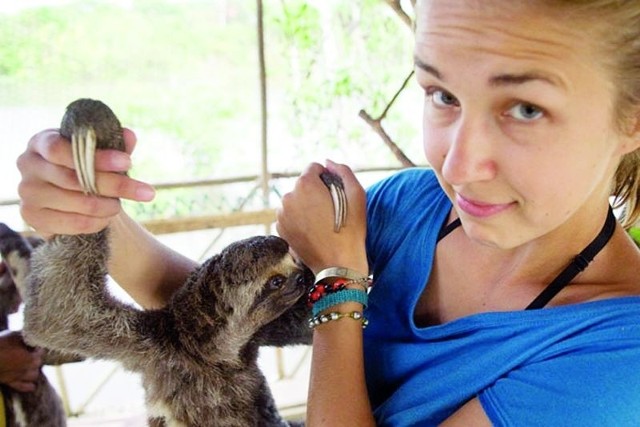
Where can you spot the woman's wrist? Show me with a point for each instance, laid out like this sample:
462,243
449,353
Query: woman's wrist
338,272
338,301
339,280
338,293
339,317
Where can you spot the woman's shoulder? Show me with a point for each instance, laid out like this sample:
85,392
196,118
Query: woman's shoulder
406,189
417,178
404,212
587,352
407,193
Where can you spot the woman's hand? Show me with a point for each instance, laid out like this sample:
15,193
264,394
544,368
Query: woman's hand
306,221
19,364
52,201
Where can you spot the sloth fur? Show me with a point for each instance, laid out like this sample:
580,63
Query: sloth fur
197,356
41,407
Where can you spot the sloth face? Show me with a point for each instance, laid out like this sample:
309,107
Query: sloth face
261,279
281,291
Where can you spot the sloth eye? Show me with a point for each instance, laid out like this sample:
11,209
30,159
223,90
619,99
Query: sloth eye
276,282
301,280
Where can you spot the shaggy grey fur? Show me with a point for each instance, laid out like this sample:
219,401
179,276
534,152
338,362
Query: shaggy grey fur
198,355
42,407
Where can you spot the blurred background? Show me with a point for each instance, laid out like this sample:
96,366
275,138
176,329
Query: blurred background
230,99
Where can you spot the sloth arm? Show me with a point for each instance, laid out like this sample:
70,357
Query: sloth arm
70,309
146,269
55,358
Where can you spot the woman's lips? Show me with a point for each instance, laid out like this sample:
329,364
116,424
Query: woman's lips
480,209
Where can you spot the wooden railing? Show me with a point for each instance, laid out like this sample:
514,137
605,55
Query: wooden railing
225,220
163,226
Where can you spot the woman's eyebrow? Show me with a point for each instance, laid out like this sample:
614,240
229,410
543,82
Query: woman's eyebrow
526,77
426,67
506,79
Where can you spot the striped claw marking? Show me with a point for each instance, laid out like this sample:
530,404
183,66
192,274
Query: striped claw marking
90,124
83,146
338,197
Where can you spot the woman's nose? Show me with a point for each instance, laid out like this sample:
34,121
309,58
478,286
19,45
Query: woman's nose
470,156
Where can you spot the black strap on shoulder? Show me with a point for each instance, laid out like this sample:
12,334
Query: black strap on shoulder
448,228
579,263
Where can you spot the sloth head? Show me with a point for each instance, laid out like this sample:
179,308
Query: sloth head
254,280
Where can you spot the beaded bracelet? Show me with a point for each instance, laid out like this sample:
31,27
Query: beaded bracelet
336,315
342,296
363,282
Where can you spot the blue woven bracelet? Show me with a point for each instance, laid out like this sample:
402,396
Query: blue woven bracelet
345,295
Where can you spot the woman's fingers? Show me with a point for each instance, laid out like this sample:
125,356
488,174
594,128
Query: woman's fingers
60,211
52,200
306,220
48,222
54,149
130,140
23,386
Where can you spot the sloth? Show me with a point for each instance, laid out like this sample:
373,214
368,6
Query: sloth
41,407
197,356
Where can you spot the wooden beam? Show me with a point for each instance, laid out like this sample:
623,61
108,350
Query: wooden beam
193,223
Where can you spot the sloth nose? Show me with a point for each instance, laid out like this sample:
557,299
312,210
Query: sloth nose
305,277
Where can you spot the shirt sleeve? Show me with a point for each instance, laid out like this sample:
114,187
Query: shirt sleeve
397,206
595,384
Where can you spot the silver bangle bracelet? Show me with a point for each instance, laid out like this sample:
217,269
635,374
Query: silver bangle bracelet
341,272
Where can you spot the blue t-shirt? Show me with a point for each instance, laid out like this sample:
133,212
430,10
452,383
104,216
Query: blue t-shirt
574,365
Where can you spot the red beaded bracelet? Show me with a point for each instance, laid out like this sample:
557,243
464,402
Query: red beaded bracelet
321,288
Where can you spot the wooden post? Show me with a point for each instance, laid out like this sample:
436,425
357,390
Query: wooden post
264,173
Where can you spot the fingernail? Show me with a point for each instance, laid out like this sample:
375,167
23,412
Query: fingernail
145,193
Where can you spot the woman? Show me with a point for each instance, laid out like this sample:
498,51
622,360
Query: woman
485,307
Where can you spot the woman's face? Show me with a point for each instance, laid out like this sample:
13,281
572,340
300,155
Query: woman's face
518,118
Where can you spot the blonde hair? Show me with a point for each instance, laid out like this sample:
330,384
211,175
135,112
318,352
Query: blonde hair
626,44
616,28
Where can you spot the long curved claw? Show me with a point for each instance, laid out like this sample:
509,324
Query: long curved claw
83,147
338,197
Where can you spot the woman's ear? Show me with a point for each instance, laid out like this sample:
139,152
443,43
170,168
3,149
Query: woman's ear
631,134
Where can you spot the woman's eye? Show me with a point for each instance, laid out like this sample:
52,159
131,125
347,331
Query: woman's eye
441,98
525,112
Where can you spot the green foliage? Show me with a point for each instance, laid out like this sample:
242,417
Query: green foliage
184,76
299,24
634,232
160,65
180,203
92,40
338,58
